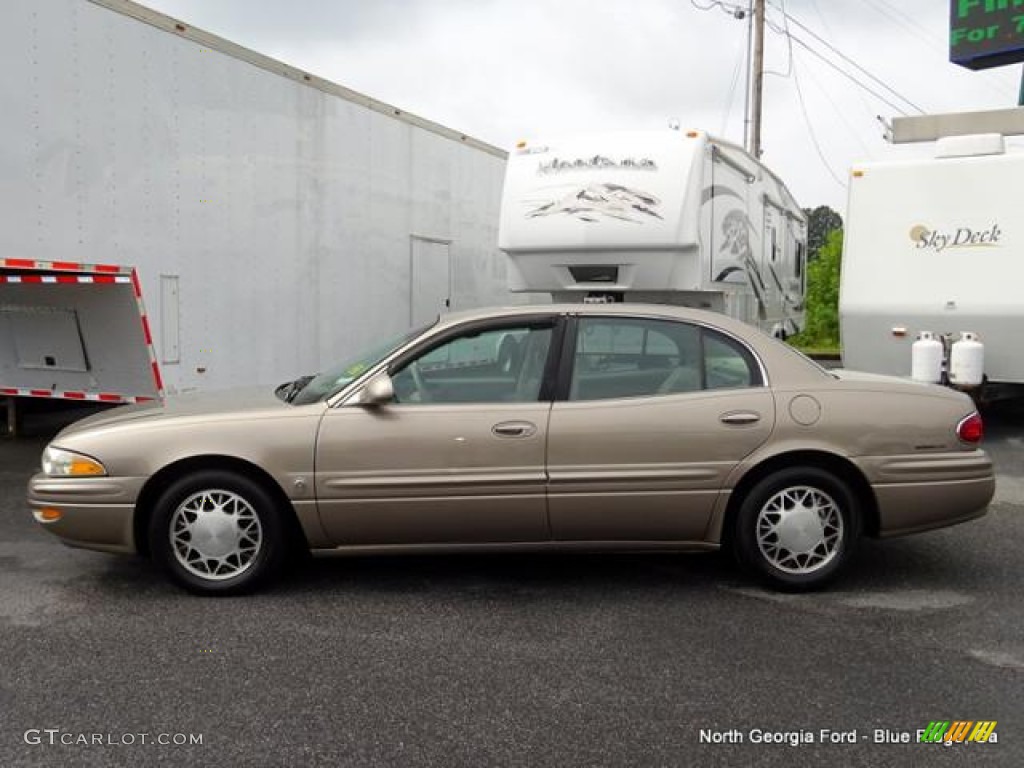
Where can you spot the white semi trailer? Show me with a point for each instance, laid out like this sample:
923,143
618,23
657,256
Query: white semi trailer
933,246
271,221
658,216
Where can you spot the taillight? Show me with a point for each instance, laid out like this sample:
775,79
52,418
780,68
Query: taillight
971,429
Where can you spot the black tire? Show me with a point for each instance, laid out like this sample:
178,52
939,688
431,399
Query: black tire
803,497
241,549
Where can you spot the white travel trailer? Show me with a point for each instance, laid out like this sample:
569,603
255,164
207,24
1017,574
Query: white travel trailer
659,216
933,249
270,221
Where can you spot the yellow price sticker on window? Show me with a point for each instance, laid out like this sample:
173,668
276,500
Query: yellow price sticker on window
355,370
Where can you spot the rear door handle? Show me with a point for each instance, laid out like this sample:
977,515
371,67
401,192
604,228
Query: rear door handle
514,429
740,417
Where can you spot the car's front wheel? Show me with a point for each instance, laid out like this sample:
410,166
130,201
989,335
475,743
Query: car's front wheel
217,533
796,528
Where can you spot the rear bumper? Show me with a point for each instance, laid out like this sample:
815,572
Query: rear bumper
914,508
92,513
921,492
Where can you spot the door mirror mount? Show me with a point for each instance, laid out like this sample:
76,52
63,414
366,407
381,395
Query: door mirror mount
378,391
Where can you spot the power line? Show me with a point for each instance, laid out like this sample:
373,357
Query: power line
789,46
796,22
987,78
810,130
732,87
881,6
821,16
840,114
907,22
860,94
734,10
738,11
848,76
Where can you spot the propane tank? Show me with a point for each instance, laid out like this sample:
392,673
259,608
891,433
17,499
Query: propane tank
926,358
967,361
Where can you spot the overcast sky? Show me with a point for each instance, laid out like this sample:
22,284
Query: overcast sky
504,70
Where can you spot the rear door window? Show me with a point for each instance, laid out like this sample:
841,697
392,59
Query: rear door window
638,357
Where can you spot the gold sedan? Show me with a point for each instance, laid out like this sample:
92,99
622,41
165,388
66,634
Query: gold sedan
582,427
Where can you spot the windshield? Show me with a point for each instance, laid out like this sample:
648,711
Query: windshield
335,378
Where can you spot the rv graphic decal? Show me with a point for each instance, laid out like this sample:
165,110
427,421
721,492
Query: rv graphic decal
739,257
964,237
595,202
734,258
597,163
718,190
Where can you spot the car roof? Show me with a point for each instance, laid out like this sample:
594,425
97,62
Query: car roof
626,309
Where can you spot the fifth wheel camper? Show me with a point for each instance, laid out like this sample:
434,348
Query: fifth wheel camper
656,216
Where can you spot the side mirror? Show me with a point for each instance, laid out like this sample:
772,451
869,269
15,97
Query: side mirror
378,390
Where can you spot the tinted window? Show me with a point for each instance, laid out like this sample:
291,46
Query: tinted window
626,357
622,357
491,366
335,379
727,363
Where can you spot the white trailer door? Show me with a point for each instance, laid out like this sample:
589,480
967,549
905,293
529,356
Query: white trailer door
76,332
430,276
45,338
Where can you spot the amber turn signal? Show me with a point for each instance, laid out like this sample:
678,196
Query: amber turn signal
49,515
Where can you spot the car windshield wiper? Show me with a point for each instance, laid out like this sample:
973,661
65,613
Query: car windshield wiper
297,386
290,389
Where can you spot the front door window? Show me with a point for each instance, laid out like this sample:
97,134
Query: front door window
501,365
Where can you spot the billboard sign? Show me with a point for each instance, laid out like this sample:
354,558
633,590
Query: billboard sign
986,33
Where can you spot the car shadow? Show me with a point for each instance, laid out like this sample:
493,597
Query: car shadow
931,561
505,575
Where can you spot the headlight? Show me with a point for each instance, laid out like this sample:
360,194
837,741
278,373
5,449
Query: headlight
60,463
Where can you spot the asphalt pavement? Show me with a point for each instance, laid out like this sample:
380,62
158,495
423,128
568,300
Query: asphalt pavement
621,660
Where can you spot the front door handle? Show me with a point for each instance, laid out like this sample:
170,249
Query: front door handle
514,429
740,417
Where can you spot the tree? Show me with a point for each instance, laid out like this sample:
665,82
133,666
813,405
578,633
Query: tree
820,221
822,304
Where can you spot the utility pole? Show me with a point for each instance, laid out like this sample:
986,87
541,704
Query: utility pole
757,79
749,16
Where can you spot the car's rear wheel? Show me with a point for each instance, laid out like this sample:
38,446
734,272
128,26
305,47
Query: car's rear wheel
217,533
796,528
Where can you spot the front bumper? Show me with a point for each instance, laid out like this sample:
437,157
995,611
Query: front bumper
92,513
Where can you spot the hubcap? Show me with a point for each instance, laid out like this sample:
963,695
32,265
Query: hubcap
215,534
799,529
